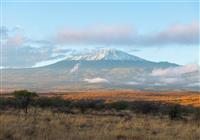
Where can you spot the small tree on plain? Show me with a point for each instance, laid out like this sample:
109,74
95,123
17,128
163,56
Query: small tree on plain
24,98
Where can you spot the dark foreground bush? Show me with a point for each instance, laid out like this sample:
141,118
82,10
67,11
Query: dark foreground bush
83,105
71,106
119,105
175,112
45,102
7,102
197,114
146,107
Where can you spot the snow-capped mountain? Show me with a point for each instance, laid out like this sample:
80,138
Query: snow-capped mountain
106,59
105,54
98,69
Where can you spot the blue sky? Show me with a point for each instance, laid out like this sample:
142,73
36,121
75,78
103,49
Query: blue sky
130,26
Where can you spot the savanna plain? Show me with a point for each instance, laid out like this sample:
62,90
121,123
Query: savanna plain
101,115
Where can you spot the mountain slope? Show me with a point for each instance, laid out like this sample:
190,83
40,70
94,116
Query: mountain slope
103,69
108,58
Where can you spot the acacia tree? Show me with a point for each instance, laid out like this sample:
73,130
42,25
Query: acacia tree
24,98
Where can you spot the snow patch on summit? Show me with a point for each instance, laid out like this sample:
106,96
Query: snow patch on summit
105,54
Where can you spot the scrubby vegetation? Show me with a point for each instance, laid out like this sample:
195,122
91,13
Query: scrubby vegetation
174,111
58,118
44,124
23,98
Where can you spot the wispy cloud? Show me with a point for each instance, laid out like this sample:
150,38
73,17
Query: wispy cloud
3,31
184,34
17,47
19,51
95,35
15,41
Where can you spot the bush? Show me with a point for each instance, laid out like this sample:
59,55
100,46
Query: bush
51,102
7,102
175,112
120,105
197,114
24,98
83,105
145,107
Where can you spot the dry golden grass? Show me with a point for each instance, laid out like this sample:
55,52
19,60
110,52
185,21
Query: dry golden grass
182,98
186,98
46,125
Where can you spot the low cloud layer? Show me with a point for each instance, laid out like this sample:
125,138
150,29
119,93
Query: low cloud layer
96,80
187,75
176,71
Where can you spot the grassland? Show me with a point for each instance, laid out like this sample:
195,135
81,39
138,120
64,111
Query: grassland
48,125
103,115
186,98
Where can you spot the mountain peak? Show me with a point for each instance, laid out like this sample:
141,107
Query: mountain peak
105,54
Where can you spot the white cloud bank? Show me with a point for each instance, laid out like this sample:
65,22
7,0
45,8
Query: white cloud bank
187,75
176,71
96,80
